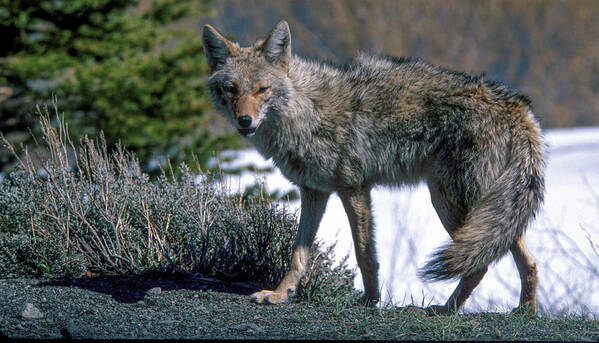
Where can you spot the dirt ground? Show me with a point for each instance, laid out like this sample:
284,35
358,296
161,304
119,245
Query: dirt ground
137,307
134,307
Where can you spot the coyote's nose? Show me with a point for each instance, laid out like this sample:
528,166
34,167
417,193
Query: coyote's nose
244,121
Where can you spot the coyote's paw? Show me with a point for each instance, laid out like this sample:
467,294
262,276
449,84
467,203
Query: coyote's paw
526,310
269,297
368,301
437,310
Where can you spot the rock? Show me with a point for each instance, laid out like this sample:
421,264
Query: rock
169,321
155,291
31,312
76,331
250,327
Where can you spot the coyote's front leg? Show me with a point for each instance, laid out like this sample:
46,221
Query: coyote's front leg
313,206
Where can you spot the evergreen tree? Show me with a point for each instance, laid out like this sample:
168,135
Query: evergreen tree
115,65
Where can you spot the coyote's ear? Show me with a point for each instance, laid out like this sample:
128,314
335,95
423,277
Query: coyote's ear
216,47
277,47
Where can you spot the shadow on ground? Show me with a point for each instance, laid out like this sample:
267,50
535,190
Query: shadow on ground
133,288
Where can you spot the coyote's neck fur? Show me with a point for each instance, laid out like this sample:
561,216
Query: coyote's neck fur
321,106
291,130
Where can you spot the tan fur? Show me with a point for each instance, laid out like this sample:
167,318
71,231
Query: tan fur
389,121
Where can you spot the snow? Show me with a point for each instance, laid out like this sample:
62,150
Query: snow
564,239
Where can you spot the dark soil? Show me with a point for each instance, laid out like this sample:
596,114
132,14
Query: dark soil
204,308
146,307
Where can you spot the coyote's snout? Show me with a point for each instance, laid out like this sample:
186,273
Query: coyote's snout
246,107
389,121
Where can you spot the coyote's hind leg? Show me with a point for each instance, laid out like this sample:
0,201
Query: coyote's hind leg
452,216
357,205
528,277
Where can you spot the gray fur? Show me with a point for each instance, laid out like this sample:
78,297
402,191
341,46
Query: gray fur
277,47
388,121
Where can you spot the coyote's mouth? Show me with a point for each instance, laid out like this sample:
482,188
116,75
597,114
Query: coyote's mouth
247,132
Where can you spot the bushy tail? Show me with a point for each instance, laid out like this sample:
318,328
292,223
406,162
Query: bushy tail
501,215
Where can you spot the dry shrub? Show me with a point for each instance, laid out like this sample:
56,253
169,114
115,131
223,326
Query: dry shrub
88,211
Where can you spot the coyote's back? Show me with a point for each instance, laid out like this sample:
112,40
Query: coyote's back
383,120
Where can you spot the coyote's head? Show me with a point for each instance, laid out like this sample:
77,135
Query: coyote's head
247,85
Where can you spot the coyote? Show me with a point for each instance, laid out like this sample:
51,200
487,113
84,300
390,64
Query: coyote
389,121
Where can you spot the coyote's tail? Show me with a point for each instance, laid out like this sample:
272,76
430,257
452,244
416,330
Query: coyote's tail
501,214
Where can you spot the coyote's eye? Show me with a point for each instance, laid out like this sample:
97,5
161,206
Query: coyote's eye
231,89
262,90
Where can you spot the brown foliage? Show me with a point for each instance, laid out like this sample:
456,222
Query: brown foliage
545,49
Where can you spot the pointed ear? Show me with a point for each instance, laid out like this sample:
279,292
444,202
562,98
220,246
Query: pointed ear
216,47
277,47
